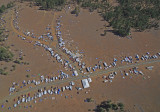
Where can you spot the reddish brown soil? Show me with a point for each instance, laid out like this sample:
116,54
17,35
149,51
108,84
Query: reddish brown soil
35,20
4,2
137,94
86,29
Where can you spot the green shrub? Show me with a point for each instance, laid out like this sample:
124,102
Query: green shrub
2,39
3,7
21,58
106,106
5,68
76,11
90,100
5,73
27,76
108,101
102,110
114,106
2,72
129,14
9,5
121,105
17,61
137,14
5,54
49,4
13,66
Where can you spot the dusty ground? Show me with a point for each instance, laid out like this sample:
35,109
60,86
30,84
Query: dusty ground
138,94
86,29
84,32
4,2
39,61
34,20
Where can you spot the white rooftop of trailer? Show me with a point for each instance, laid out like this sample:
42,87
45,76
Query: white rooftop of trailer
85,83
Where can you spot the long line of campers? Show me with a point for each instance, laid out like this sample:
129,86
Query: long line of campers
41,92
61,76
50,91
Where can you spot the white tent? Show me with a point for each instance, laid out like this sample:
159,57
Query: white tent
85,83
23,99
75,73
89,80
15,105
63,88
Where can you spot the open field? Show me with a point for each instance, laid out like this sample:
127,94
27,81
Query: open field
139,93
5,1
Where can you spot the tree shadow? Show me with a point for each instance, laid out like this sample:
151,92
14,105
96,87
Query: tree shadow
112,31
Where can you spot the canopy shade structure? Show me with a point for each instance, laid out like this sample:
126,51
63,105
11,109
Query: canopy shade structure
85,83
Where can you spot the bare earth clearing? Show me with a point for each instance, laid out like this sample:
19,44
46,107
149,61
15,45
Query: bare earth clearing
84,33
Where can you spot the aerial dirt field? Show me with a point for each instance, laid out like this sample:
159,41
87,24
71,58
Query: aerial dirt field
35,20
4,2
39,61
83,33
138,95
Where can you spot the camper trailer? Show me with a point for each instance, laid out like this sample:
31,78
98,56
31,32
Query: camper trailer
85,83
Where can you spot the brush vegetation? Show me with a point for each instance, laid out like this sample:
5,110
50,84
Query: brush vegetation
3,7
107,106
122,16
5,54
127,14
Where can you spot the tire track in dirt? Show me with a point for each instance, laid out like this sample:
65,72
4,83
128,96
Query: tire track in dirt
52,44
